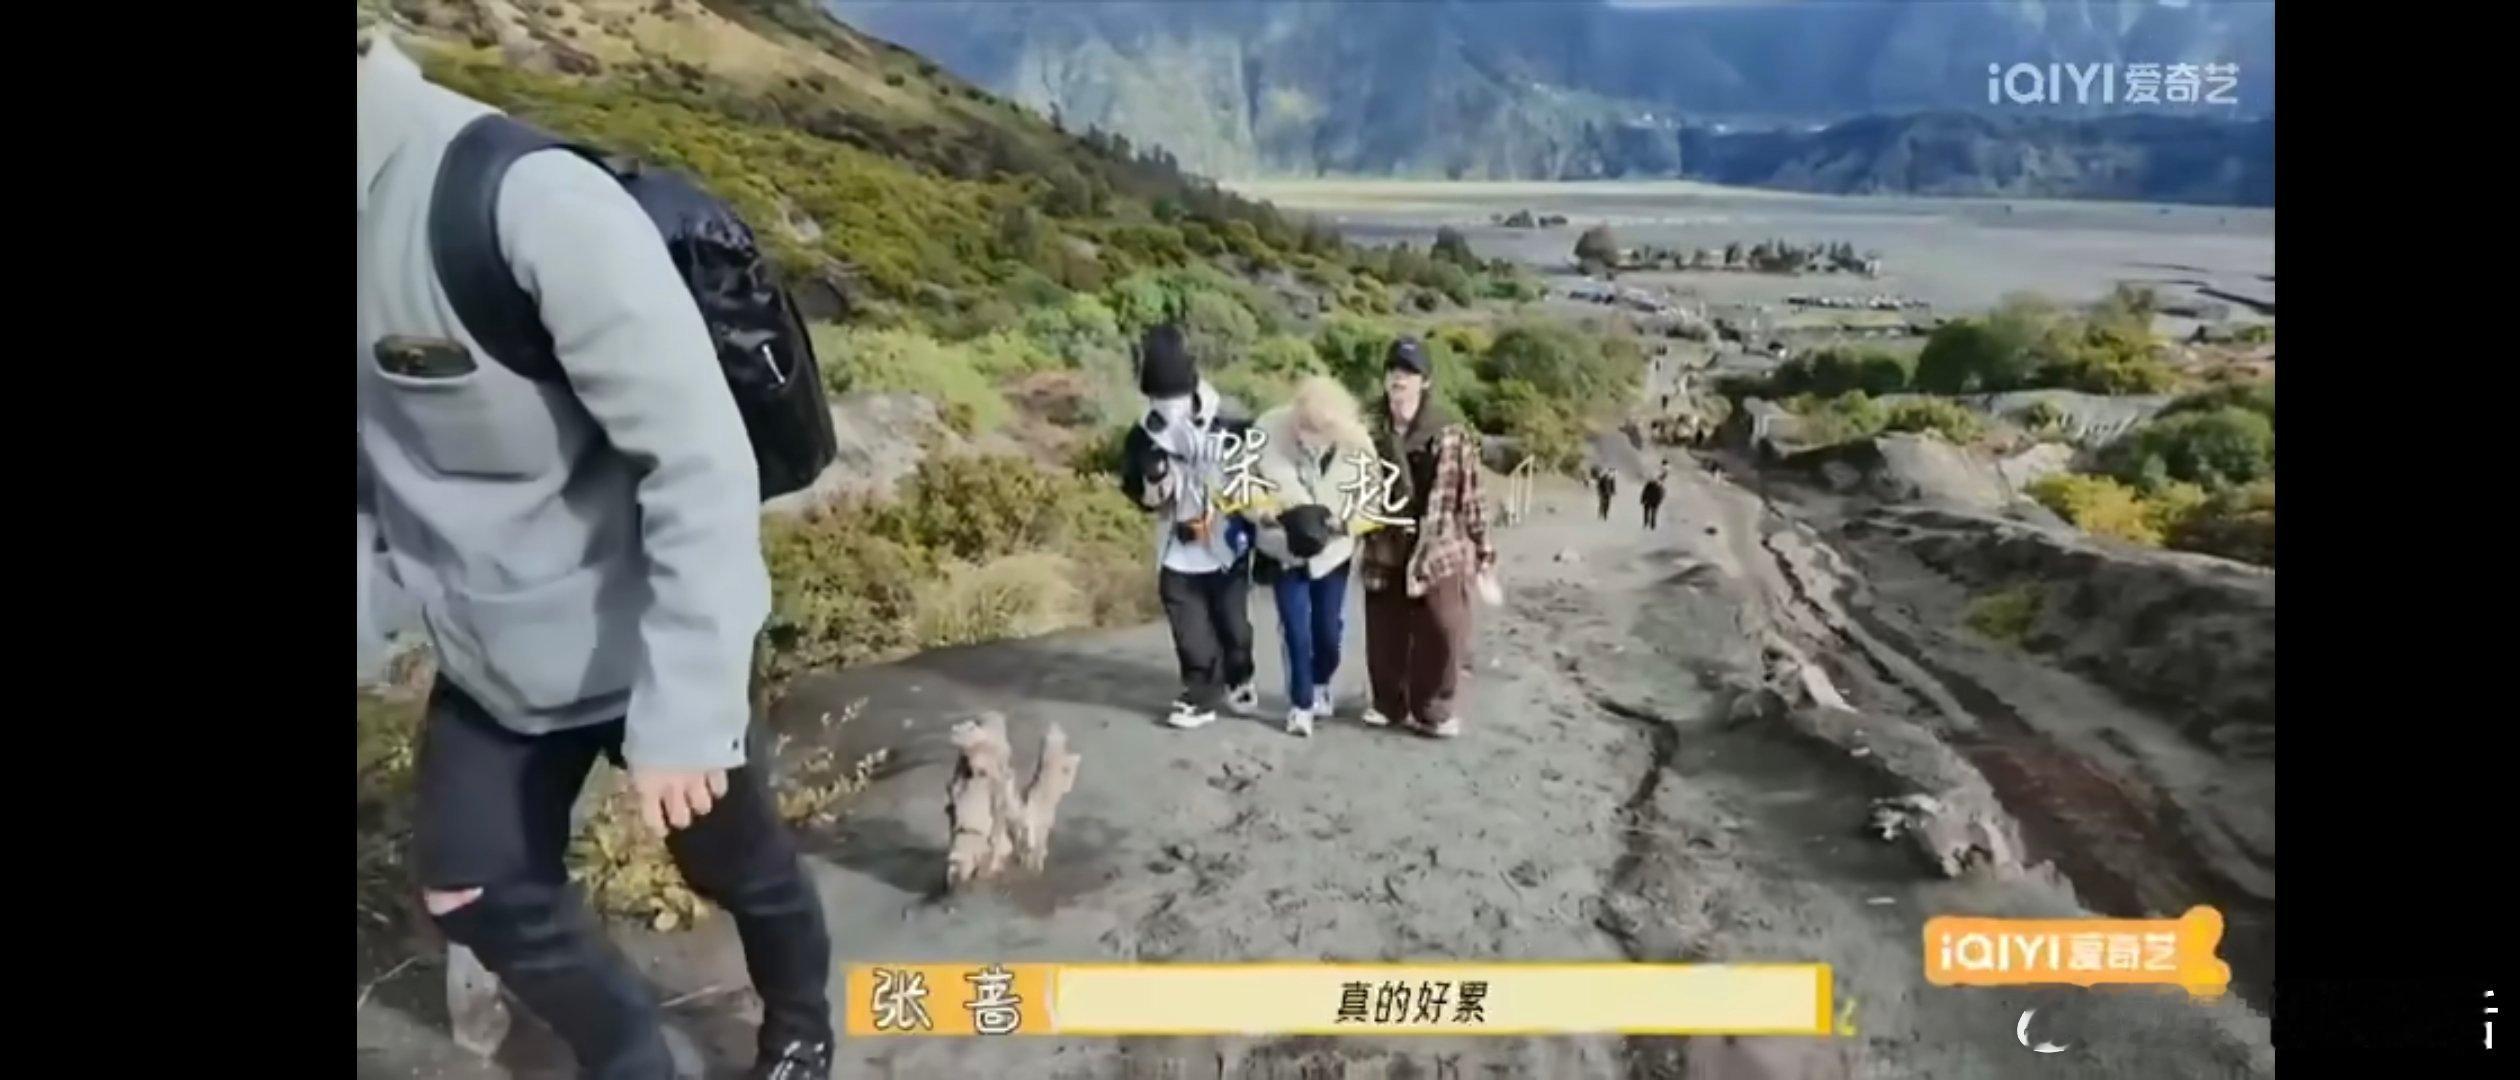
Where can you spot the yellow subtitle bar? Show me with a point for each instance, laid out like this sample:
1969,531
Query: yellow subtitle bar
1338,999
1963,951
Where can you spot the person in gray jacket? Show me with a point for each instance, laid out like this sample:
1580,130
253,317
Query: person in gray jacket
587,563
1313,457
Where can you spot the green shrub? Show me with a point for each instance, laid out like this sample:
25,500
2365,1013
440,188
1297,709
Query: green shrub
2235,524
1352,349
856,358
2006,615
1021,595
2169,507
841,593
1949,419
1103,454
1844,418
2101,362
1218,329
1539,425
2044,419
2216,448
2255,395
1597,248
2099,505
1076,328
976,508
1830,372
1968,356
1267,373
1583,371
1008,354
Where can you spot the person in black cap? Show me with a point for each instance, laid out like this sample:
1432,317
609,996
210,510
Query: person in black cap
1419,568
1173,463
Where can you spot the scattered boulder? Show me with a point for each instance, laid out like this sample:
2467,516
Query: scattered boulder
1064,398
2038,462
883,436
1910,468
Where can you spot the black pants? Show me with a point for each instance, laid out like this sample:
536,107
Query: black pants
494,815
1605,505
1211,629
1653,510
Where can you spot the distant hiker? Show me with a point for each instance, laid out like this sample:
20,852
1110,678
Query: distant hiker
1652,497
558,468
1312,458
1606,484
1174,464
1418,576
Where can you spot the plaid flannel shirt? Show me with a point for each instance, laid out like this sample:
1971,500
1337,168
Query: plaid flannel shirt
1451,540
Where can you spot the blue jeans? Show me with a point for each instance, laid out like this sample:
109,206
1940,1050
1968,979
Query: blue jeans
1310,611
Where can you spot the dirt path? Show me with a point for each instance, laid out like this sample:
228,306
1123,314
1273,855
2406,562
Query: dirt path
1601,806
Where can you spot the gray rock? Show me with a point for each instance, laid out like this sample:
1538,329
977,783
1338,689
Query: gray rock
883,436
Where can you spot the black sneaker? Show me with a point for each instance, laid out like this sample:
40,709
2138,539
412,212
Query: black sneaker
795,1060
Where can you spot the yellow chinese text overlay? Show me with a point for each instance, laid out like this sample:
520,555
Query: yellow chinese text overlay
1341,999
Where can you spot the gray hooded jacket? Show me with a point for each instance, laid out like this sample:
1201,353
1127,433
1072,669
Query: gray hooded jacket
578,553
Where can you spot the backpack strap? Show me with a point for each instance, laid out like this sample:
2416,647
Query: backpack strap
464,243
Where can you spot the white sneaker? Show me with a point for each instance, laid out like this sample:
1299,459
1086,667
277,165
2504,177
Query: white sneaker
1321,700
1299,722
1450,728
1244,699
1373,717
1187,716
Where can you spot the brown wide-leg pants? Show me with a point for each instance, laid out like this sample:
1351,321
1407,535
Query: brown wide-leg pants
1415,648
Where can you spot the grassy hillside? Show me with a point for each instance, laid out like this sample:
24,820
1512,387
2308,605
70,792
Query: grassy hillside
867,169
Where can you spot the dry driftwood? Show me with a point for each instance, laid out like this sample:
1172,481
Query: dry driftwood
990,822
1053,775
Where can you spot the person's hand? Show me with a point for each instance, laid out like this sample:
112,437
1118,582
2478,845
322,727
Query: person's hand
676,797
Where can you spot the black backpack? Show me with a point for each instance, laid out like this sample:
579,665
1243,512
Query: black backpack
761,342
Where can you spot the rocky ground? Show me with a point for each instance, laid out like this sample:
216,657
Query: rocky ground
1654,769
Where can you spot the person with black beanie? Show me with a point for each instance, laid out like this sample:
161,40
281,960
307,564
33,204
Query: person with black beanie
1174,464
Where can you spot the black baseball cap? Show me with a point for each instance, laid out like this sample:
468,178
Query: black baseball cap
1406,354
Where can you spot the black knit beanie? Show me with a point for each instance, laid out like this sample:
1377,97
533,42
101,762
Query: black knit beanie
1165,369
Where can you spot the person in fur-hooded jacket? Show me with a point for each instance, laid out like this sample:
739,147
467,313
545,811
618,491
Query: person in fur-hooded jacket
1173,463
1313,456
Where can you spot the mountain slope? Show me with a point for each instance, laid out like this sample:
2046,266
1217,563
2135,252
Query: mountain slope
1562,89
866,168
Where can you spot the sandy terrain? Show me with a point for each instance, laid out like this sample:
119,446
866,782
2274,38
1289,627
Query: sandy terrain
1957,254
1600,807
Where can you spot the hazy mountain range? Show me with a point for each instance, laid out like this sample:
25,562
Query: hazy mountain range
1572,89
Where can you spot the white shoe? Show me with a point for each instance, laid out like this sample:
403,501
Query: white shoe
1321,700
1450,728
1373,717
1187,716
1244,699
1299,722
